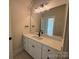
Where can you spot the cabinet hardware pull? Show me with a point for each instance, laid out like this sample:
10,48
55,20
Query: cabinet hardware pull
47,57
33,46
48,50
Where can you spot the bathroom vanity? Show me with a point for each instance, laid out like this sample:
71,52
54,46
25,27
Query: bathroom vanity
42,47
51,23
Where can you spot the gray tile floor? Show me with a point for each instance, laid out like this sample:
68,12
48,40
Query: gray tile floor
23,55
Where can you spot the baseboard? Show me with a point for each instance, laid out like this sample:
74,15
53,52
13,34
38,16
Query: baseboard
17,51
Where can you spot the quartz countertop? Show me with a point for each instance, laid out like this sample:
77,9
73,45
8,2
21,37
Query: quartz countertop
46,41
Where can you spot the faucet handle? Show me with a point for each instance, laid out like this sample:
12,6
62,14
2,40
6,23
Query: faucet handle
41,31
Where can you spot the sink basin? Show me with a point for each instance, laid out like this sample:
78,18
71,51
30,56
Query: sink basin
36,37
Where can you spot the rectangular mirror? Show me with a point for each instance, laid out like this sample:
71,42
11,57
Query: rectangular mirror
53,21
50,22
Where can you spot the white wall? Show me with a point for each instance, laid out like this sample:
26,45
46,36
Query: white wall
20,16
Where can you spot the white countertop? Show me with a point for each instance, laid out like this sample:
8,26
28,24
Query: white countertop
46,41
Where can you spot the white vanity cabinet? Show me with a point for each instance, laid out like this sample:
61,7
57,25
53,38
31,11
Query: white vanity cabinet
38,50
26,43
34,49
49,53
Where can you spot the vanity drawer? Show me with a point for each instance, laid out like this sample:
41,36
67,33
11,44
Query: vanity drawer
49,50
52,56
49,53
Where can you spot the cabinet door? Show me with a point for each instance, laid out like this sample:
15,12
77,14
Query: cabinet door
49,53
26,44
31,48
35,49
44,53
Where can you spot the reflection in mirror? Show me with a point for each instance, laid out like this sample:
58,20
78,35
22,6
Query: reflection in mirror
35,22
50,26
47,26
50,22
53,21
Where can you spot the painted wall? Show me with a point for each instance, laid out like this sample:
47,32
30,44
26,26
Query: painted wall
20,16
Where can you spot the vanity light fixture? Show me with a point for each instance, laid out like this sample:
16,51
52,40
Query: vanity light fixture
42,7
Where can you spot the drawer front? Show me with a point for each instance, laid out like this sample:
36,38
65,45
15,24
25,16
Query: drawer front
52,56
49,53
34,44
49,50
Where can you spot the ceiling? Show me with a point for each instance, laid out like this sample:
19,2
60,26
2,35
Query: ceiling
38,2
48,4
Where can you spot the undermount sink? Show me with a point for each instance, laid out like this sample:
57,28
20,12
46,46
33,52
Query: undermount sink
36,37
